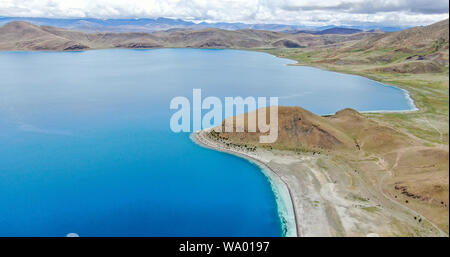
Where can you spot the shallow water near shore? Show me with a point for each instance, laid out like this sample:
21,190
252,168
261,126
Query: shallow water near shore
86,148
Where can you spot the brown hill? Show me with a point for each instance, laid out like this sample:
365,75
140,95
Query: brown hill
369,135
427,43
299,129
432,37
26,36
423,49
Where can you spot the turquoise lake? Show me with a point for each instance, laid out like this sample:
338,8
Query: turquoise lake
86,148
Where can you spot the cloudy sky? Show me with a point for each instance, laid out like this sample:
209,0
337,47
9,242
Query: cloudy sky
301,12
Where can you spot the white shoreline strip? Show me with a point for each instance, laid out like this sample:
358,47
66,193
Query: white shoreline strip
283,194
286,210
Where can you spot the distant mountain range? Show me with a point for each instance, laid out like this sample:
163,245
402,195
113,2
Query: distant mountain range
21,35
161,24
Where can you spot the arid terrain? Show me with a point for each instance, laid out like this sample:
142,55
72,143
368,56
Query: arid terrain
351,174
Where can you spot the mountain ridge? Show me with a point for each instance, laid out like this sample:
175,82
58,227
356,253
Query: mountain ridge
160,24
21,35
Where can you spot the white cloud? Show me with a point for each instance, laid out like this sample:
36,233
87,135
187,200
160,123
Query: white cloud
304,12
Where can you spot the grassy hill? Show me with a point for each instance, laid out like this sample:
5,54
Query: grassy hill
415,59
302,131
26,36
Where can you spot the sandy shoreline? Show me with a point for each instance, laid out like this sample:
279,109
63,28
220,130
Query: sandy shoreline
283,194
322,196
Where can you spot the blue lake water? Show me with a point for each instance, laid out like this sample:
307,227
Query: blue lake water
85,143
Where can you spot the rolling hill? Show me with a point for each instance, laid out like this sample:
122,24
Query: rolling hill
20,35
301,130
421,49
161,24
